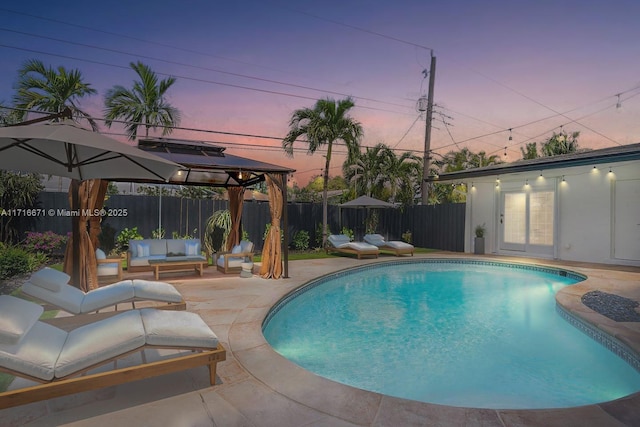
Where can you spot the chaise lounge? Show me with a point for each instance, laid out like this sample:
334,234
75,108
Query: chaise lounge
50,286
343,244
43,353
395,246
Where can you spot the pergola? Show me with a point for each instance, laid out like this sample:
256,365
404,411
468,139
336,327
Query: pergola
205,164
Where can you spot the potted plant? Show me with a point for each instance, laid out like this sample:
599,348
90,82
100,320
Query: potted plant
478,248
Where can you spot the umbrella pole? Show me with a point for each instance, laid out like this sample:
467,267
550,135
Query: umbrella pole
75,233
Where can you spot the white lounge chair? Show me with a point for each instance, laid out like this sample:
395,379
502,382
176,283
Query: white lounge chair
51,286
342,243
46,354
395,246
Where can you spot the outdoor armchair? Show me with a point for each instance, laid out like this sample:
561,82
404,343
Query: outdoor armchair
231,262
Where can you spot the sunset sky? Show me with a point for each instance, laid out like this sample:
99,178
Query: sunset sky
244,67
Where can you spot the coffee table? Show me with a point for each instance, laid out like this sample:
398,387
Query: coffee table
169,265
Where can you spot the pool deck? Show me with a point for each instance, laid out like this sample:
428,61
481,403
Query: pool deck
258,387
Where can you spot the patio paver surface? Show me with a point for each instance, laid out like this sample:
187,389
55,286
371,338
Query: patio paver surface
258,387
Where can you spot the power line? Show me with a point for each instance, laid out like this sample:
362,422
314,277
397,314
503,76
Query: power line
271,92
202,68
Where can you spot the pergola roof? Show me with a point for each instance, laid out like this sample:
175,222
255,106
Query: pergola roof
207,164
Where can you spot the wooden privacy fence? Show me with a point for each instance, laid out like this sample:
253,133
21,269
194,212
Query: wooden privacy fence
436,227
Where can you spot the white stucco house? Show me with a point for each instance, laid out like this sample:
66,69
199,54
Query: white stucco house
576,207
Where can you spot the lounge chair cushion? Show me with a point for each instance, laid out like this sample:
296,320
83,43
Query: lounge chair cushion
49,278
95,342
106,296
338,240
37,353
155,291
17,317
178,328
69,298
374,239
236,249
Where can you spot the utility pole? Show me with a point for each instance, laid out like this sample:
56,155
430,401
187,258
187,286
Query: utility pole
427,134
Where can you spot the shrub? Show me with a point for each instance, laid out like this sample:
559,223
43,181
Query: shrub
319,234
407,236
16,261
347,232
122,240
301,240
48,242
157,233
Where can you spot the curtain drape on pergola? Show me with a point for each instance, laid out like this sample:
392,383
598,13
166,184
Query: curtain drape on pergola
236,199
272,251
90,195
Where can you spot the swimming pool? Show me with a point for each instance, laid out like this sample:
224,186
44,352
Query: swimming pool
473,334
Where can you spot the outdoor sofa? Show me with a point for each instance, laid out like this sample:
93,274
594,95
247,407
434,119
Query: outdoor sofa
343,244
51,286
395,246
140,252
41,352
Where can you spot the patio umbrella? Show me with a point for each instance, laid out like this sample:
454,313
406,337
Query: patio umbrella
66,149
365,202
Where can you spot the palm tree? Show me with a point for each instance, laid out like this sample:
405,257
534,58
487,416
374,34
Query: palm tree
403,175
326,123
560,143
144,104
365,171
51,90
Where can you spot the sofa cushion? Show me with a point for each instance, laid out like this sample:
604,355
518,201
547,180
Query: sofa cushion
236,249
233,261
50,279
139,261
18,317
246,246
176,247
157,246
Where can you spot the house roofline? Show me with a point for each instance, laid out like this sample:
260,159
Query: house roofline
592,157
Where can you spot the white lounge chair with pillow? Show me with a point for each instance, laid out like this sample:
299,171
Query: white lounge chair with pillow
231,262
46,354
108,268
342,243
51,286
395,246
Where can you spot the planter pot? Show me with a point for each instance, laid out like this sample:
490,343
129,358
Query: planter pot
478,247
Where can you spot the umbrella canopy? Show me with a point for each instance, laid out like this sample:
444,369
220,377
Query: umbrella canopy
66,149
366,202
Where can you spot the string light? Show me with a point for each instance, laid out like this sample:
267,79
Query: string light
619,103
510,136
526,182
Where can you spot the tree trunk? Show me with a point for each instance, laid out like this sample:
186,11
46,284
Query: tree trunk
325,186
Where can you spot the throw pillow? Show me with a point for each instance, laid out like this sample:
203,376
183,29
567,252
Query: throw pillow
142,249
192,248
100,254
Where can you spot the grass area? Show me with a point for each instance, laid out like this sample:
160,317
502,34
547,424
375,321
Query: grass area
5,381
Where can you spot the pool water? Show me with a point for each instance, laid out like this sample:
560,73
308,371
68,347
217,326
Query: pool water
459,334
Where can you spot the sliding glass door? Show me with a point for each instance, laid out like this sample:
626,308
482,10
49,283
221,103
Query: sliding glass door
527,221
